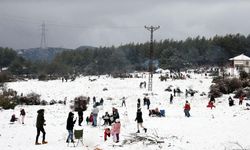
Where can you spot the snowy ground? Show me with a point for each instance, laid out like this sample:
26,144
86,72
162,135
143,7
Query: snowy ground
221,128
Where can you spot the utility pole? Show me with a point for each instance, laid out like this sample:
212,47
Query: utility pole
151,54
43,37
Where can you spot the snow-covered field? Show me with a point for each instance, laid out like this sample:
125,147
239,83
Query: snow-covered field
221,128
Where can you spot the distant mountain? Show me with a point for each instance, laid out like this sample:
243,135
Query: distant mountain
48,54
85,47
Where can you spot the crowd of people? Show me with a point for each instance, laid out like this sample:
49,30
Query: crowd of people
111,122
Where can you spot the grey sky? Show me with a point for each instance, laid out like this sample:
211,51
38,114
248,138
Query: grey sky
72,23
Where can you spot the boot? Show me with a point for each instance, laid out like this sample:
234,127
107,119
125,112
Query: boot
138,131
145,129
37,143
44,142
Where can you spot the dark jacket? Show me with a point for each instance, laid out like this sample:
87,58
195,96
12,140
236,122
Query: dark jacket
40,118
139,117
22,112
70,121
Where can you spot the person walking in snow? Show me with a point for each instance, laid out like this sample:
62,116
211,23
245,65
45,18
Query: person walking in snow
139,120
40,122
70,126
22,115
187,109
115,131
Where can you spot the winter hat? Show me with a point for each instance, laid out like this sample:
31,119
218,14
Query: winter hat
117,120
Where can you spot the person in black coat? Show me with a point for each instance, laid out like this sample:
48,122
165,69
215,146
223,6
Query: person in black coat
40,122
148,102
171,98
80,115
139,120
70,126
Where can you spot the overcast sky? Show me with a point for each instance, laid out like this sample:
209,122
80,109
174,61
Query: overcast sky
73,23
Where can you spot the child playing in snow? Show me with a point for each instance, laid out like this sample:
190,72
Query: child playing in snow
115,131
211,104
13,118
106,133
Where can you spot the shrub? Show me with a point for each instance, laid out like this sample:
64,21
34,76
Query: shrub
215,91
33,99
217,79
43,102
243,75
234,84
7,103
5,77
42,77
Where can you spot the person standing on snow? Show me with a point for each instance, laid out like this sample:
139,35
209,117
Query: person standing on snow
148,103
139,120
115,131
70,126
241,99
80,115
124,101
95,112
22,115
40,122
171,98
187,109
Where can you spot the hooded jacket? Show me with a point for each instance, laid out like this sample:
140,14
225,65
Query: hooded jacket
70,121
40,118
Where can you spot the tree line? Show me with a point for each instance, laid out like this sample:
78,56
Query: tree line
168,54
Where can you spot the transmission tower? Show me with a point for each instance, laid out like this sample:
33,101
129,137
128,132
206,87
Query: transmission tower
151,54
43,37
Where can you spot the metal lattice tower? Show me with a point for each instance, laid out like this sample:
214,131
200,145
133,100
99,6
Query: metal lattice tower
151,54
43,37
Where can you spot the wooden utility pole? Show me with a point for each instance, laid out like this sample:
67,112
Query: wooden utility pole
151,54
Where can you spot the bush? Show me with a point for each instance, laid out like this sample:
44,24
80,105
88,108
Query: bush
52,102
245,83
234,84
238,93
42,77
7,103
243,75
33,99
43,102
217,79
215,91
5,77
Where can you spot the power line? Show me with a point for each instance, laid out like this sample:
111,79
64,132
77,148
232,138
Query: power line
64,25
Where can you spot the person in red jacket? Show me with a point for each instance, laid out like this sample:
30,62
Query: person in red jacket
106,133
241,99
187,109
211,104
